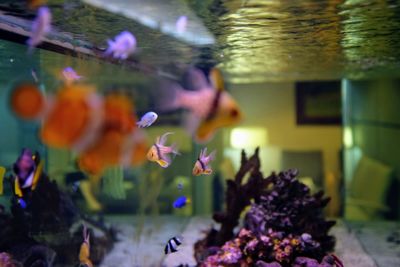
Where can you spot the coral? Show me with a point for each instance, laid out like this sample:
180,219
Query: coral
238,196
284,227
289,207
48,230
6,260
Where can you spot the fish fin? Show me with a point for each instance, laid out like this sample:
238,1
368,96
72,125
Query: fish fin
191,123
188,200
211,156
163,163
2,173
168,96
194,79
174,148
163,138
216,79
207,171
204,132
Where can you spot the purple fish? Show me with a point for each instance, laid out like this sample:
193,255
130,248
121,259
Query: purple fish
123,45
40,26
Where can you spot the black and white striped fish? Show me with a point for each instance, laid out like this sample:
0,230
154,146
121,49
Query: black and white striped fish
172,245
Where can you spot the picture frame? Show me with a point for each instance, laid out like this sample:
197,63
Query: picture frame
318,103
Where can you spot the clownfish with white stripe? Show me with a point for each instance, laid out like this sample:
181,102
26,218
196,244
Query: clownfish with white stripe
173,244
202,163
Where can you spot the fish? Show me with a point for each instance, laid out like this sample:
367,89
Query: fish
201,165
2,173
181,202
147,119
22,203
101,130
180,186
28,170
122,47
70,75
74,119
84,251
40,27
173,244
119,141
210,106
160,153
27,101
181,24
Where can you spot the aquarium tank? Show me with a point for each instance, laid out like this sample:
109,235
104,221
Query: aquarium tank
199,133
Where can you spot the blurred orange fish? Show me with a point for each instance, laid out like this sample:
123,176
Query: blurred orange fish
27,101
210,105
74,119
120,143
101,130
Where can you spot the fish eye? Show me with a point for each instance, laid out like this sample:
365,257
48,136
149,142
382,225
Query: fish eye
234,112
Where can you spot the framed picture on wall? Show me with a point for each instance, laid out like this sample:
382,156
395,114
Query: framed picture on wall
318,102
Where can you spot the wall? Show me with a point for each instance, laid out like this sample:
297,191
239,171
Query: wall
272,105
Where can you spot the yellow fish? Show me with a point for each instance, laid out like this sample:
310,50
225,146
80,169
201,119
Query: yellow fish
159,152
84,252
201,165
210,105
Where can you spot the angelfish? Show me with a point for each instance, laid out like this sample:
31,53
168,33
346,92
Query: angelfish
159,152
202,163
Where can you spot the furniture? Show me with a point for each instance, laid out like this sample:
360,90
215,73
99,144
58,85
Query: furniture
366,194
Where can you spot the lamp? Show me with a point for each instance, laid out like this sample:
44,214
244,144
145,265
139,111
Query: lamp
248,137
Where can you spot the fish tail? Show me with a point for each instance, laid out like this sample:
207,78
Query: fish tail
212,155
174,148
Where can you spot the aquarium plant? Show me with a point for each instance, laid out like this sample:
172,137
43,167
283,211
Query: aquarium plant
284,226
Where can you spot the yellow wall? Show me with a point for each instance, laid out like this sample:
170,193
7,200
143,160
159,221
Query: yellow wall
273,106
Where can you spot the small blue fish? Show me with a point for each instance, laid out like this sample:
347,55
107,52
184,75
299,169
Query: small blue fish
180,186
180,202
22,203
148,119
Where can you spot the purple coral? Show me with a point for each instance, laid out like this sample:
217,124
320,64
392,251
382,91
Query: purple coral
284,227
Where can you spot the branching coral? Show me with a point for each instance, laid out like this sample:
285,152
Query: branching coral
284,227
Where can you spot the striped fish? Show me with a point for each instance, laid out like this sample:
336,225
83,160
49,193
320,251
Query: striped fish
172,245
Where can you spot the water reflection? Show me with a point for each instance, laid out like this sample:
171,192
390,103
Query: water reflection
258,40
287,40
